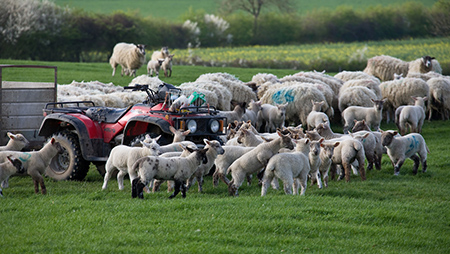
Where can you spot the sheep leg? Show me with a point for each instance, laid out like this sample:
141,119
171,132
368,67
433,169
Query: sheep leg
294,185
120,177
157,185
416,160
36,185
362,172
200,183
397,166
178,186
5,183
347,167
267,179
106,178
43,189
333,171
137,188
170,73
232,189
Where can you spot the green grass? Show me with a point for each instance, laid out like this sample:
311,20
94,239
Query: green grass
173,9
385,214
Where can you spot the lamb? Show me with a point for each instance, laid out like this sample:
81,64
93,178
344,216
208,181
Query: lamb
295,94
16,142
178,135
255,160
412,116
248,138
347,152
162,54
179,169
401,147
324,130
288,167
36,162
154,66
379,148
372,115
234,115
399,92
214,149
129,56
356,96
326,155
223,162
166,66
439,97
122,158
9,168
384,67
251,113
273,116
369,141
315,117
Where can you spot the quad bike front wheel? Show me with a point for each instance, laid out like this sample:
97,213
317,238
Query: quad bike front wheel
69,165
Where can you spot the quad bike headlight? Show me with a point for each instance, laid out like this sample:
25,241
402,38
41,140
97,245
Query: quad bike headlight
192,126
214,126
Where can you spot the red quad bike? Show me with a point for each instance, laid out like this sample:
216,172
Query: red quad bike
88,133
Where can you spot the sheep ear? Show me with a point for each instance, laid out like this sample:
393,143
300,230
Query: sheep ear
279,133
380,130
366,135
10,135
9,158
206,141
322,139
147,136
52,141
336,144
425,98
157,138
172,129
185,133
395,133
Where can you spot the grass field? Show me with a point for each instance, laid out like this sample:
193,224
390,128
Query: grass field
385,214
173,9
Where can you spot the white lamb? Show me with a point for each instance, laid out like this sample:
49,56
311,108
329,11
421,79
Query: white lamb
36,162
326,155
235,114
272,116
16,142
372,115
214,149
8,168
401,147
154,66
166,66
129,56
255,160
251,113
163,53
122,158
399,92
411,116
179,169
223,162
316,116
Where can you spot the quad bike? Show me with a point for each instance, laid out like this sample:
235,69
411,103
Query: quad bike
88,133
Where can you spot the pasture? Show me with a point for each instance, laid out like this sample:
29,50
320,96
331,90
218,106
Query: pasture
174,9
384,214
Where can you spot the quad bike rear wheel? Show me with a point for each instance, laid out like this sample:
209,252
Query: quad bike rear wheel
69,165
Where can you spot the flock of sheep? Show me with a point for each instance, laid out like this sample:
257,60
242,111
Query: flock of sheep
265,135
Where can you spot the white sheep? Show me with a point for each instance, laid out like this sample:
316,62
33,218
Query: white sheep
384,67
372,84
16,142
240,92
235,114
439,101
214,149
223,162
178,169
356,96
122,158
190,87
129,56
288,167
154,66
369,141
372,115
8,168
295,95
399,92
255,160
162,54
262,78
166,66
401,147
36,162
222,94
152,82
412,116
354,75
251,113
315,117
272,116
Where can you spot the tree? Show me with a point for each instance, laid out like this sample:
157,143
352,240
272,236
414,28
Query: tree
254,8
